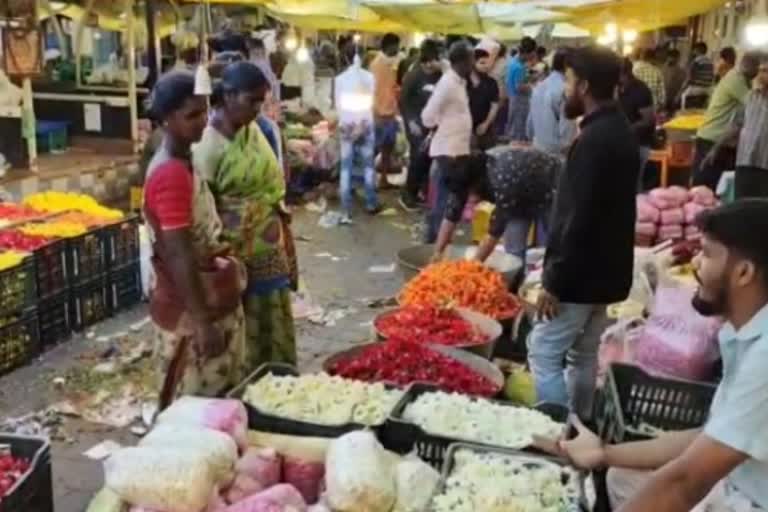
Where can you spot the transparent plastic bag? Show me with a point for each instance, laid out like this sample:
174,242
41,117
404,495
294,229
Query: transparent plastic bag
228,416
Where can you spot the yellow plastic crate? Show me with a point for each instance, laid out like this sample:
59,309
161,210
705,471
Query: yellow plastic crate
482,220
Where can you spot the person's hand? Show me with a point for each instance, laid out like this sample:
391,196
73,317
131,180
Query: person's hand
586,450
210,341
481,130
415,129
547,306
437,257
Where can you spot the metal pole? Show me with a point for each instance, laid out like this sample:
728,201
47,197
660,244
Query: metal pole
152,46
28,116
79,40
132,100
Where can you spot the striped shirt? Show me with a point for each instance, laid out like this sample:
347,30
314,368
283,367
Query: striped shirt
753,149
702,72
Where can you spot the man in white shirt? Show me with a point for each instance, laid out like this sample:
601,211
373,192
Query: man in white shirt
724,466
447,114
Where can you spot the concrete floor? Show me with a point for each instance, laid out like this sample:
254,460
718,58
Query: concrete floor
345,283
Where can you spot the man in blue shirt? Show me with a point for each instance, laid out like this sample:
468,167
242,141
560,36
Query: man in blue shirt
724,466
519,89
548,127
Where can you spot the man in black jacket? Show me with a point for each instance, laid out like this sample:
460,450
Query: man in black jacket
417,87
589,257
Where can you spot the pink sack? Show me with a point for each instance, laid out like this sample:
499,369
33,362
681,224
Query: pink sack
703,196
676,341
672,216
646,211
228,416
678,194
307,477
674,232
215,504
646,228
665,198
261,464
692,210
274,499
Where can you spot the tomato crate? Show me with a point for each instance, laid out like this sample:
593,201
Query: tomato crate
121,242
53,316
88,304
86,256
51,268
18,288
264,422
635,405
33,491
19,342
124,288
403,437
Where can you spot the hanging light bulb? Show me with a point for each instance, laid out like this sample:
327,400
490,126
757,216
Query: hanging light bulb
630,36
418,38
604,40
611,29
302,54
357,38
756,32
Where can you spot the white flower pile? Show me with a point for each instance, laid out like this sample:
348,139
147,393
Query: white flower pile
322,399
470,419
502,483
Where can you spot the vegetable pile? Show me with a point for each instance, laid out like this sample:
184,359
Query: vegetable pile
403,362
478,420
12,239
322,399
462,283
427,323
11,470
55,202
500,482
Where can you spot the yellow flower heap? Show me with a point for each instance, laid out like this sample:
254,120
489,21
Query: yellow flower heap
9,259
55,202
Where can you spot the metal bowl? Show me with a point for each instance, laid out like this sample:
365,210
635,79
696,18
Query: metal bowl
483,323
412,259
474,362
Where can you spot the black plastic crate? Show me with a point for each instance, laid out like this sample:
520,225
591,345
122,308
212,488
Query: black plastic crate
33,492
264,422
124,288
19,342
636,405
86,256
89,304
18,288
403,437
53,315
576,504
51,268
121,243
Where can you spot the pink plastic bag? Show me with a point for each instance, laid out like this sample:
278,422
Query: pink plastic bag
262,464
228,416
678,194
215,504
616,345
692,210
702,196
645,228
665,198
674,232
676,341
307,477
646,211
275,499
672,216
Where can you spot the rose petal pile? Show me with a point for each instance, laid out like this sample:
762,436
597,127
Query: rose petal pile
11,470
463,283
12,239
426,323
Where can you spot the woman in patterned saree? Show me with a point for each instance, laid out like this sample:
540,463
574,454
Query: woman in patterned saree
248,184
195,292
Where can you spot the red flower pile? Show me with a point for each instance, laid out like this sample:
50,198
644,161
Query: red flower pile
16,240
430,324
11,469
402,362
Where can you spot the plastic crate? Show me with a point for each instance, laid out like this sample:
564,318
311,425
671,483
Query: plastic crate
19,342
51,268
53,316
121,242
635,404
577,504
264,422
18,288
33,492
86,256
89,304
124,288
403,437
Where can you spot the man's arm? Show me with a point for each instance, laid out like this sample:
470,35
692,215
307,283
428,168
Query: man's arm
430,116
647,120
684,482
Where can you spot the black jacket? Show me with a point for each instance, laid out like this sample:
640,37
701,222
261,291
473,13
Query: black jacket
590,249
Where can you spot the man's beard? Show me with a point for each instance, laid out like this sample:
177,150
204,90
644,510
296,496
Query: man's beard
712,307
574,108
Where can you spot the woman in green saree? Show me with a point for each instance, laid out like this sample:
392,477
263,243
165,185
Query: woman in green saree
248,184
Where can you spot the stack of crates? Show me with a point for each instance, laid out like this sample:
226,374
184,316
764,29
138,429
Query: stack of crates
19,334
123,267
